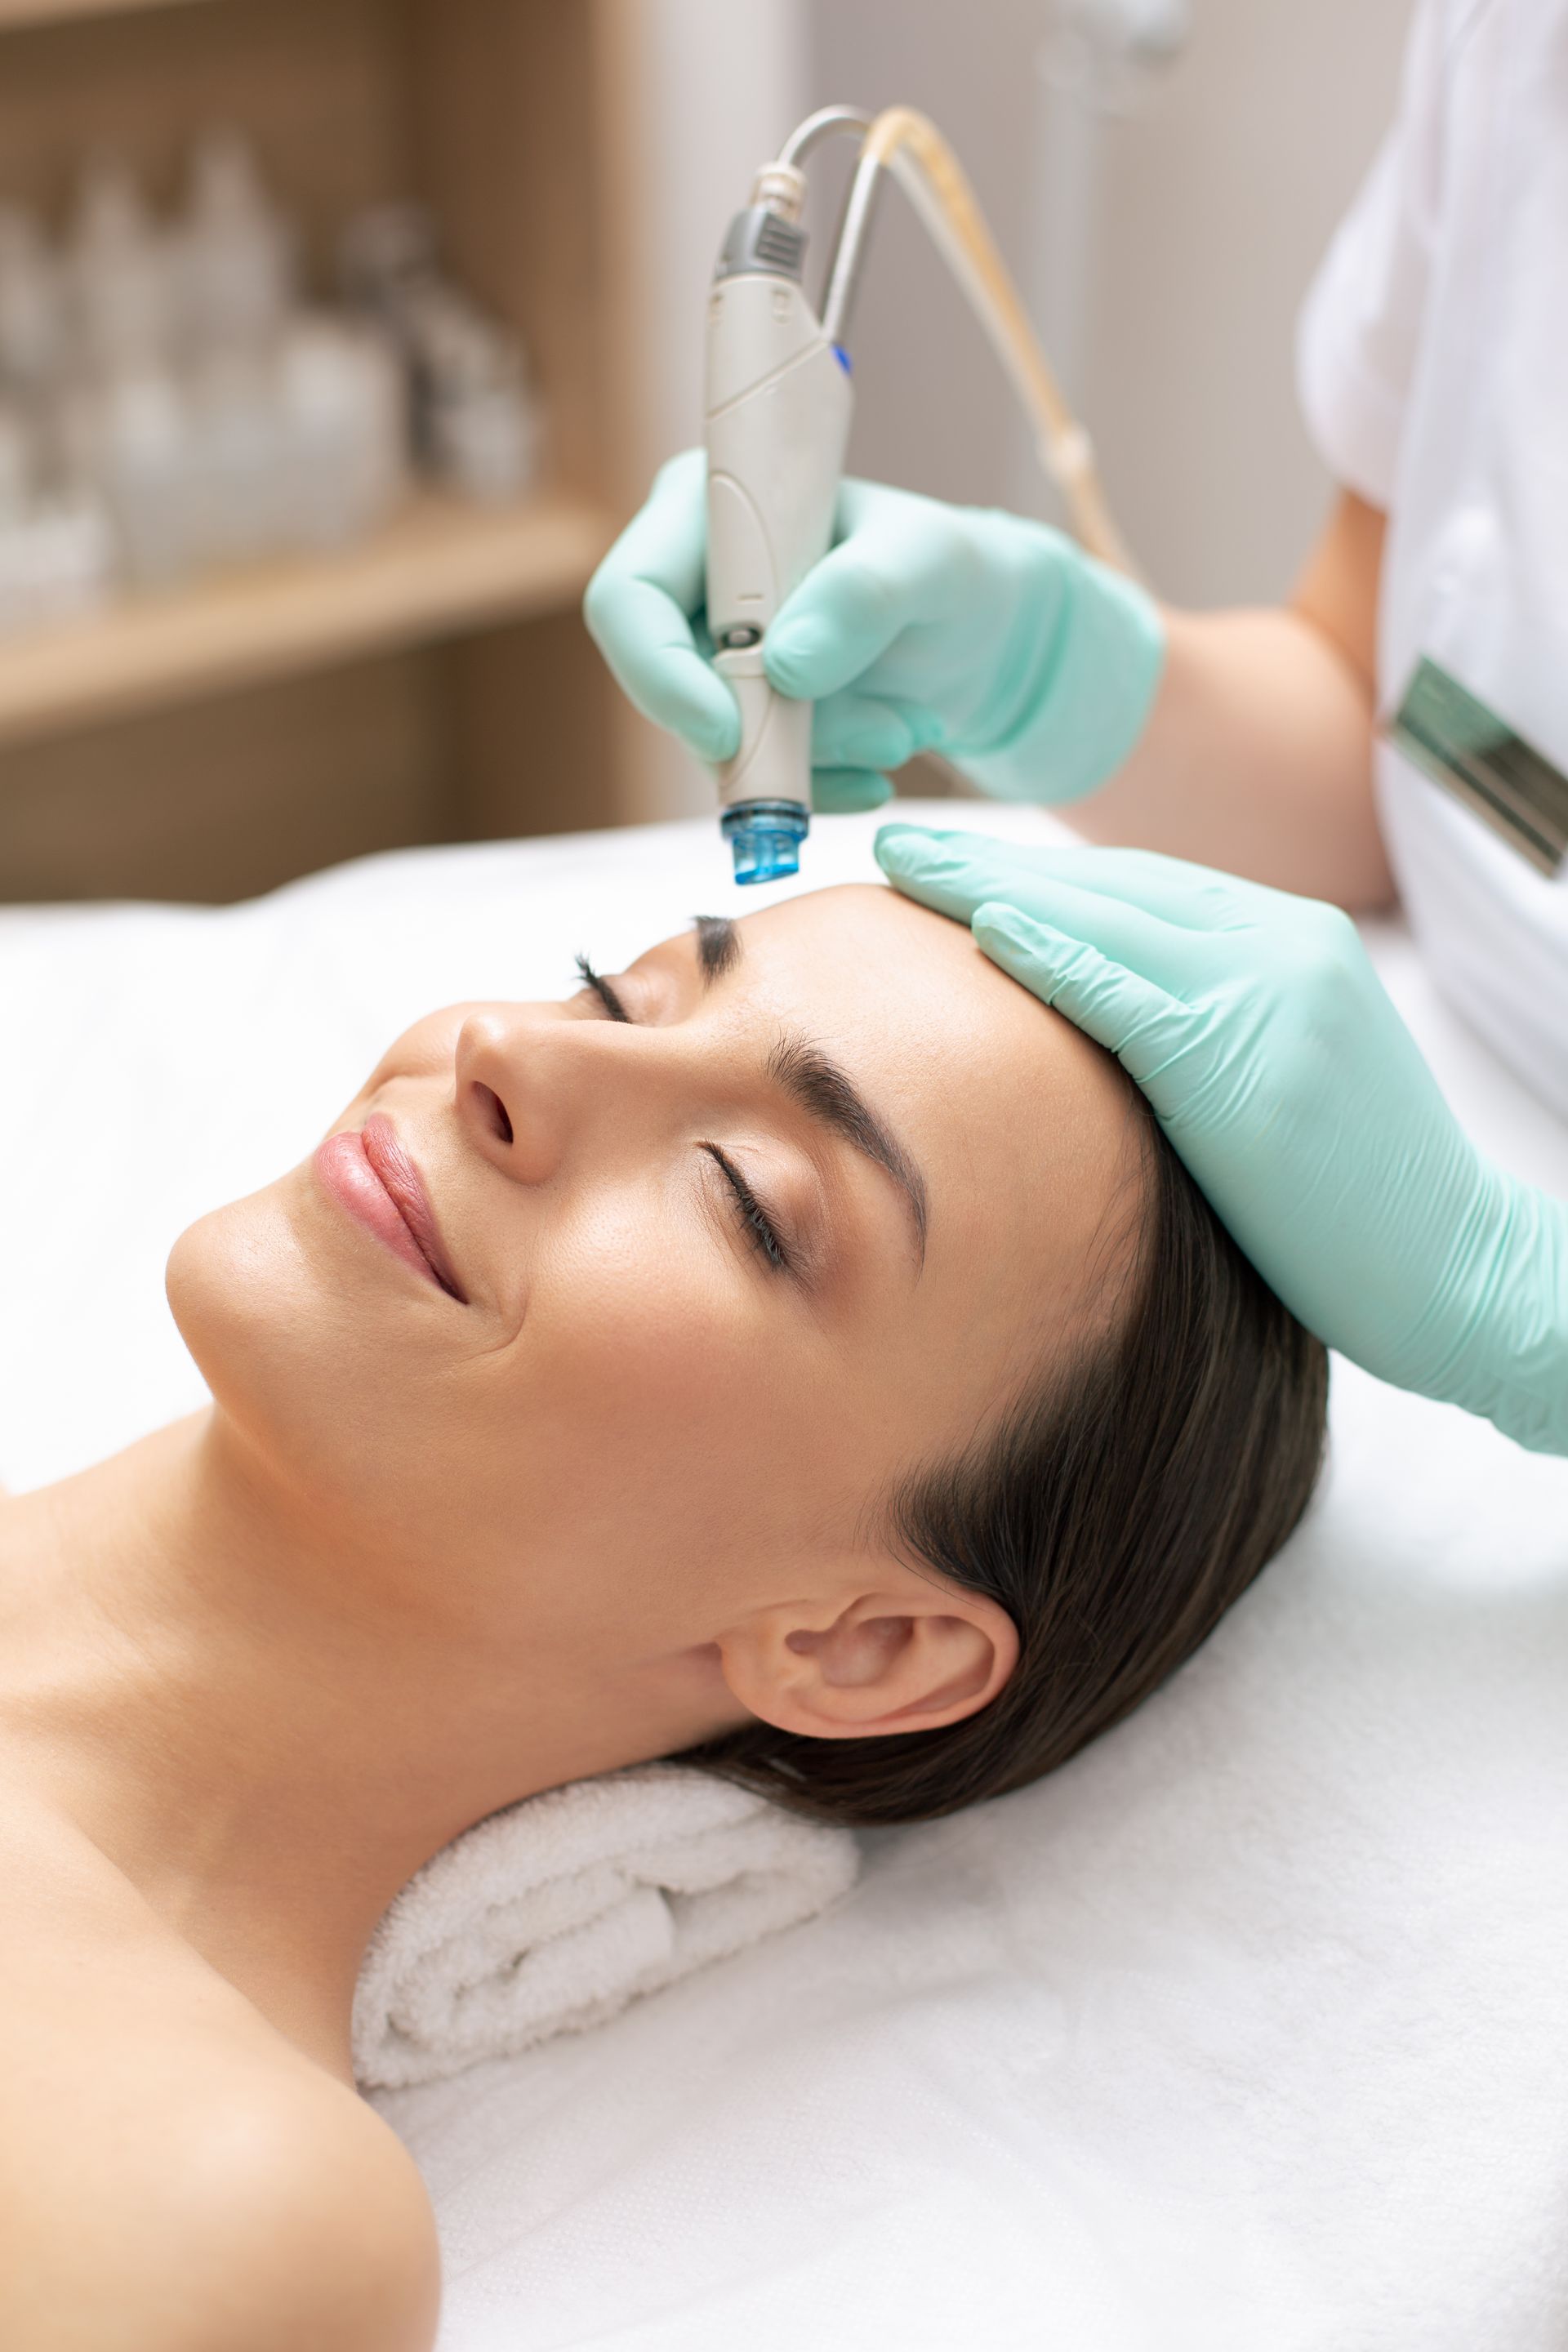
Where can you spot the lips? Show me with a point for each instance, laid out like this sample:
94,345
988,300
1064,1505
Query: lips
371,1176
402,1180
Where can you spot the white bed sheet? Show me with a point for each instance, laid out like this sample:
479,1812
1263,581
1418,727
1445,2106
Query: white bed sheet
1248,2029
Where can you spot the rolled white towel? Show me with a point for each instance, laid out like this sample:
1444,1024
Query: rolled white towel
554,1914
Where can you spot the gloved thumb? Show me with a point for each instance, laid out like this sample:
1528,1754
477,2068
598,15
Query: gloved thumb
834,625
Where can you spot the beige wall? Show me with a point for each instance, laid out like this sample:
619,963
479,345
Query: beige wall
1211,207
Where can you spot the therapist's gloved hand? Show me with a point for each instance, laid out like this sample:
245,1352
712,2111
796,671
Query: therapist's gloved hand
1281,1072
992,640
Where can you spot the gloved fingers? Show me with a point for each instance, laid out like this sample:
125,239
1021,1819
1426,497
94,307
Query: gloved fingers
1130,1016
899,564
650,645
853,729
957,883
644,603
841,792
953,871
1195,897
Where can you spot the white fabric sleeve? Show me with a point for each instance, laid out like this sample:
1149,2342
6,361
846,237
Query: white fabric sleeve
1357,331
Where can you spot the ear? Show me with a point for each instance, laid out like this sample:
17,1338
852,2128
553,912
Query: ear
905,1658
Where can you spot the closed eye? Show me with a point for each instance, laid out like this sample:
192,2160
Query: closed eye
755,1223
758,1227
601,988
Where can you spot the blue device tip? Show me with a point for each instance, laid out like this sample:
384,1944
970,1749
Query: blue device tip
764,838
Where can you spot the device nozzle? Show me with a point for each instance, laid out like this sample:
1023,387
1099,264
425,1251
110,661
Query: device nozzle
764,838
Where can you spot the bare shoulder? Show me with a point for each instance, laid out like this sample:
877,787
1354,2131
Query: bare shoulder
270,2214
311,2225
173,2176
252,2211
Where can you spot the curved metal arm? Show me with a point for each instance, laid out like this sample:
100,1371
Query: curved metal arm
849,248
819,126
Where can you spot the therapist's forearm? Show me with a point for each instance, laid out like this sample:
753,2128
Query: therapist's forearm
1257,757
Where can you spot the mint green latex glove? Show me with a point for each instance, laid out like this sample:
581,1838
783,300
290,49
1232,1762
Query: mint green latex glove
927,628
1284,1078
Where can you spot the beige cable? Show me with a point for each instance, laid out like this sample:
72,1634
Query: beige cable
909,144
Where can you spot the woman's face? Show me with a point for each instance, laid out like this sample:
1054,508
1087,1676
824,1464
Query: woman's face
779,1215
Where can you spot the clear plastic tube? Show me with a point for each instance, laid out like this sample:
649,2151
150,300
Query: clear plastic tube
909,145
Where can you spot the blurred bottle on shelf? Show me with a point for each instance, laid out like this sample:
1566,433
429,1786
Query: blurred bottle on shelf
344,406
478,417
231,269
15,468
128,440
32,307
472,413
56,554
56,563
232,256
170,402
119,283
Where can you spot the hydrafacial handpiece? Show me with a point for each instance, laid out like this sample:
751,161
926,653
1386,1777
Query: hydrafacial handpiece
778,409
778,417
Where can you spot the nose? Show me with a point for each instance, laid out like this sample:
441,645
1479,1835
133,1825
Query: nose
530,1080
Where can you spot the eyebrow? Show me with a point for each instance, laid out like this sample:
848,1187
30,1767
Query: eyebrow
830,1096
718,947
823,1091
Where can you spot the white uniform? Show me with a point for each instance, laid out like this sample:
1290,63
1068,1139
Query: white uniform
1433,362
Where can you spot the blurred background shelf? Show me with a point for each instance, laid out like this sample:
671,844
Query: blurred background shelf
580,158
434,682
49,12
438,568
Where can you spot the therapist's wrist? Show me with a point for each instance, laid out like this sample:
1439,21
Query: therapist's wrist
1256,758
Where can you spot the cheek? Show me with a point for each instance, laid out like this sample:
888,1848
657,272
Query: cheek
665,1396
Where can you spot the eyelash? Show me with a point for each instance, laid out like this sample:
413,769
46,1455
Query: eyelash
755,1223
601,988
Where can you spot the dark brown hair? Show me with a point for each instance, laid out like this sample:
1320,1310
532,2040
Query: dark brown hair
1115,1513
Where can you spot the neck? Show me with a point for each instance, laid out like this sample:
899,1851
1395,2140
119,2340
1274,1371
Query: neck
269,1730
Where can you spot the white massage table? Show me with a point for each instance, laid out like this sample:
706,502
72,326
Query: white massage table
1248,2030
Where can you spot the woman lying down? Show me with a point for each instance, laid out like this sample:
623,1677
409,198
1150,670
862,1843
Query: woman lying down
800,1354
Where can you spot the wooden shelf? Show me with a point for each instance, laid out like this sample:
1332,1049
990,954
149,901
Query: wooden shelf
51,12
439,568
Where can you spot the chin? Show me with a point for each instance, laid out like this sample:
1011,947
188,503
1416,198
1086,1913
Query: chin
290,1364
237,1289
